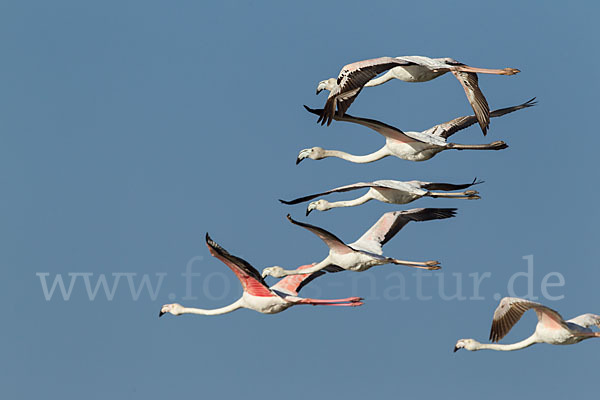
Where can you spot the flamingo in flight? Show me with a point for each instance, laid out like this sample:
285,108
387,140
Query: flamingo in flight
551,327
349,83
412,146
366,252
417,69
258,296
388,191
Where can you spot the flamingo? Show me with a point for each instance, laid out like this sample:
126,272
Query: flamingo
349,83
423,69
366,252
258,296
412,146
551,327
388,191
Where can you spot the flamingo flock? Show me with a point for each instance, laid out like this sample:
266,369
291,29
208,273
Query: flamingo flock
367,252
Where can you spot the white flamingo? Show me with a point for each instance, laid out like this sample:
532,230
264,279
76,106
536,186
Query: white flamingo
551,327
411,146
366,252
349,83
388,191
423,69
258,296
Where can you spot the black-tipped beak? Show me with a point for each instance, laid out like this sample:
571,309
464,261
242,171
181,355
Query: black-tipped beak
456,348
308,210
298,160
160,313
319,91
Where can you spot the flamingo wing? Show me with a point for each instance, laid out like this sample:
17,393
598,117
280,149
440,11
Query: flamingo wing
586,320
251,280
449,128
448,186
470,84
332,241
390,223
378,126
511,309
350,82
292,284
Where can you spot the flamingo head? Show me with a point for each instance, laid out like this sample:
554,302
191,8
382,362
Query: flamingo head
327,84
315,153
175,309
320,205
276,272
469,344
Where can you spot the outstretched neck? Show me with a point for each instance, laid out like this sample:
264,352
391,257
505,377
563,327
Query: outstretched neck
217,311
531,340
388,76
351,203
378,155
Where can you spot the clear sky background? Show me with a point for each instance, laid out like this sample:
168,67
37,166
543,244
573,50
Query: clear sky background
131,128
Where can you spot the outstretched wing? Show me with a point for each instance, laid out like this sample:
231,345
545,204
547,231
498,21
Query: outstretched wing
252,282
448,186
449,128
378,126
470,84
350,82
511,309
586,320
390,223
332,241
292,284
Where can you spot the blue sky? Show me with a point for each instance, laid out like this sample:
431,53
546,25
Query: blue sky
130,129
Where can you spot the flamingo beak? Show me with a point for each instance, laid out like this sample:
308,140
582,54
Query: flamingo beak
298,160
161,313
456,348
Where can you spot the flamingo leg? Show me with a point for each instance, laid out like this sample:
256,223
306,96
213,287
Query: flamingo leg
348,302
504,71
469,194
497,145
429,265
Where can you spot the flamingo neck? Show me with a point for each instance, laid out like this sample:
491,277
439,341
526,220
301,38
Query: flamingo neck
217,311
351,203
388,76
531,340
316,267
378,155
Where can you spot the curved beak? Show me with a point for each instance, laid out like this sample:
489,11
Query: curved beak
298,160
319,89
308,210
161,313
456,348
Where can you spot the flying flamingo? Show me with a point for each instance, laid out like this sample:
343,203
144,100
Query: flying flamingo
423,69
257,295
388,191
366,252
551,327
349,83
412,146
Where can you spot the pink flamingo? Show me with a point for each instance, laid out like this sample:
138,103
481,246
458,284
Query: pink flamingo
408,69
551,327
349,83
367,251
258,296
